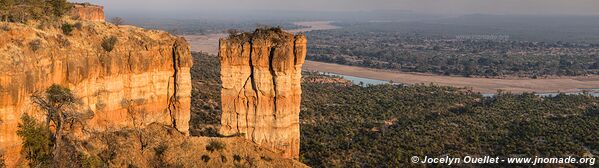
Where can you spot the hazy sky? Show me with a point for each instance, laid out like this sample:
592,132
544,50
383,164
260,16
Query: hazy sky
538,7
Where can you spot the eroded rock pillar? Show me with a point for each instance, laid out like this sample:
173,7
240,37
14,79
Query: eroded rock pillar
261,91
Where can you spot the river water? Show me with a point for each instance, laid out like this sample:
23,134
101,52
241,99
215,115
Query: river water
367,82
358,80
209,44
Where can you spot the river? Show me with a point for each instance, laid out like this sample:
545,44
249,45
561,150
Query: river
209,44
369,82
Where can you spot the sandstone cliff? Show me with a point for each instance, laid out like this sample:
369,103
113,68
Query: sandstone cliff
146,70
88,12
261,92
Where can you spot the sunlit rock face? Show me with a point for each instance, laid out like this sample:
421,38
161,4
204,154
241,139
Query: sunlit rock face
261,91
88,12
144,79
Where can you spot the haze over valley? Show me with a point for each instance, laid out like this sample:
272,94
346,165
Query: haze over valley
271,83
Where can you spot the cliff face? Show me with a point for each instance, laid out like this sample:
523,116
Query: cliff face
144,79
88,12
261,92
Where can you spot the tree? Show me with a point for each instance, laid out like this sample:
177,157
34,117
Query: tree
232,32
37,143
5,5
22,11
109,43
117,21
137,117
59,105
59,7
44,147
56,103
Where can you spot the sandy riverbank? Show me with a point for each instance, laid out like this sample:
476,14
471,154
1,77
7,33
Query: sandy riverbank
209,44
483,85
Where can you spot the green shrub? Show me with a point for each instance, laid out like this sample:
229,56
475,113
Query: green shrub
40,145
63,41
160,149
35,45
236,157
5,27
57,94
2,165
109,43
266,158
37,143
22,11
223,158
78,25
158,160
59,7
88,161
67,29
215,145
205,158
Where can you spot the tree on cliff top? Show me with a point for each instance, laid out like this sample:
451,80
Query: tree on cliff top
59,7
24,10
117,21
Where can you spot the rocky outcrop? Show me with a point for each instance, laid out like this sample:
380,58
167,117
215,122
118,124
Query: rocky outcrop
144,79
162,146
261,92
88,12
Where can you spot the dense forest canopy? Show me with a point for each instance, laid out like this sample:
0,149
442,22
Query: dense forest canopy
344,125
347,126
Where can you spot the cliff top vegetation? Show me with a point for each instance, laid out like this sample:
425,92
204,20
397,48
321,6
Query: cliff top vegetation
276,34
26,10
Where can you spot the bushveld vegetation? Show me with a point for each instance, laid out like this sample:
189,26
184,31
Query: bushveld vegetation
215,145
67,29
413,47
386,125
205,96
37,141
25,10
352,126
109,42
117,21
2,164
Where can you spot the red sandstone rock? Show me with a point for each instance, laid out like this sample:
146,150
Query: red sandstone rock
88,12
261,92
147,67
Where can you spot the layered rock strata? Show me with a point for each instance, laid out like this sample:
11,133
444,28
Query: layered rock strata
261,91
88,12
145,77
